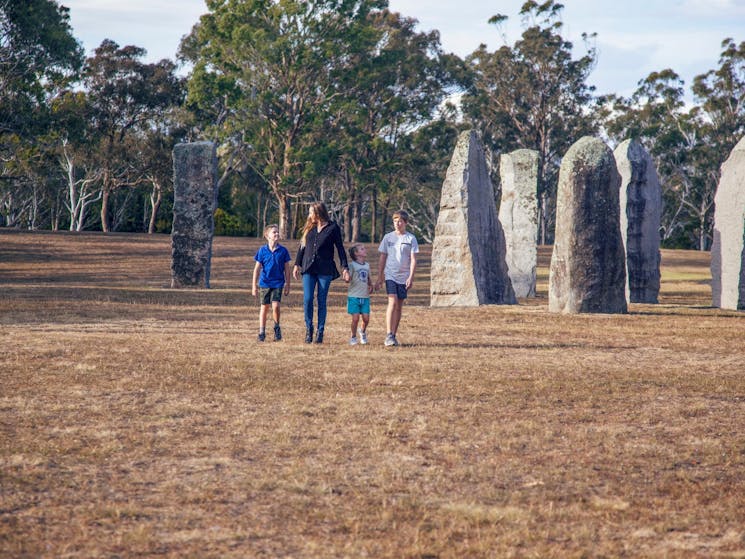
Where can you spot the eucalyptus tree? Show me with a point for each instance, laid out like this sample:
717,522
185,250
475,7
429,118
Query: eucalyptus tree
125,96
393,85
38,57
656,114
263,76
533,95
688,143
37,49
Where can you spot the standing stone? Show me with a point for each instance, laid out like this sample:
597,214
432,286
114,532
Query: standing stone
518,214
588,265
195,173
468,253
728,249
641,205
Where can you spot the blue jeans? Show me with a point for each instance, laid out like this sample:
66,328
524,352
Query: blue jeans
309,286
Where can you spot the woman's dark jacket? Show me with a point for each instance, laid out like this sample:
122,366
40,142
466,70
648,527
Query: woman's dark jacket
317,256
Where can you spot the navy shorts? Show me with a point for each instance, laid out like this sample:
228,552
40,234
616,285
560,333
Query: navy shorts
397,289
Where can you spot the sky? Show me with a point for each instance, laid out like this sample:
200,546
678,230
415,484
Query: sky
634,37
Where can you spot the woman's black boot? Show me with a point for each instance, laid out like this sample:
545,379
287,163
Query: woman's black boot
319,337
309,335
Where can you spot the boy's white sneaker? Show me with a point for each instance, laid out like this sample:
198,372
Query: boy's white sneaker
353,341
363,338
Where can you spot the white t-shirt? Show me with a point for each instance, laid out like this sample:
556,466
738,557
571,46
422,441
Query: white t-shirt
399,249
358,283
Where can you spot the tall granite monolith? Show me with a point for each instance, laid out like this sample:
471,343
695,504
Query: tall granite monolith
518,215
588,264
468,252
640,201
194,199
728,248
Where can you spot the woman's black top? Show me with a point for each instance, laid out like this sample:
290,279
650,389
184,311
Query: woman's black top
317,256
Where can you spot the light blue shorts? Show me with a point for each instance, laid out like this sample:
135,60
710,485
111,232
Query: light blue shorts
358,305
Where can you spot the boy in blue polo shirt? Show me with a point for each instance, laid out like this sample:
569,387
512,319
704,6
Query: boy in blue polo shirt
271,274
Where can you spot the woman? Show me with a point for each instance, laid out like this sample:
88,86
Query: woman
315,261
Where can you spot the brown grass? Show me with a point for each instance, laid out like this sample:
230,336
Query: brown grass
136,420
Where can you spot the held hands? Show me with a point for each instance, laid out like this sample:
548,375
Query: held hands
345,275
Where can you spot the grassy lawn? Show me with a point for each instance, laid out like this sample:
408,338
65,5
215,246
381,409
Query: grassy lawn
138,420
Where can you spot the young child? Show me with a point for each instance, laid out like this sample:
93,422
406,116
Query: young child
271,274
397,264
358,293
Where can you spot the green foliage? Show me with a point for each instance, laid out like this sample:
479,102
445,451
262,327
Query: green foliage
231,225
273,63
533,95
688,144
339,100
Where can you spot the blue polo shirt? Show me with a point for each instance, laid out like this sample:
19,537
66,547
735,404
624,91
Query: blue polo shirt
272,265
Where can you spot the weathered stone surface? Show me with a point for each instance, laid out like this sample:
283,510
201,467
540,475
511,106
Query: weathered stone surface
640,200
728,249
195,173
468,253
588,265
518,215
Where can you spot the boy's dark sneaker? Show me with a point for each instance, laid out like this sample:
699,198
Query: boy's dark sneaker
262,336
277,333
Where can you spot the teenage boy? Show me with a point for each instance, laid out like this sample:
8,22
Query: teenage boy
397,265
271,274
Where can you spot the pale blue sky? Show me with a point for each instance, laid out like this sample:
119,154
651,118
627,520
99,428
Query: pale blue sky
634,37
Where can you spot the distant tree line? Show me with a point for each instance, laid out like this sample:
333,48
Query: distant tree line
339,100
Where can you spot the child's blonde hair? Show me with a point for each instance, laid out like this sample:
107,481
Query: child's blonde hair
270,227
353,251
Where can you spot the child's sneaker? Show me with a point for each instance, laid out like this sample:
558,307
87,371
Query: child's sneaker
261,337
353,341
390,340
363,338
277,333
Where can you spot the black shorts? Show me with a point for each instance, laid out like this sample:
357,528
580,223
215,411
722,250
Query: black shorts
270,294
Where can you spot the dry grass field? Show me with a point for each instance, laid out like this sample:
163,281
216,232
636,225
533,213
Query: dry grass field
142,421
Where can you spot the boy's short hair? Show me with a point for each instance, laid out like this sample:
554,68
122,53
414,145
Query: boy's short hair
353,251
271,226
401,214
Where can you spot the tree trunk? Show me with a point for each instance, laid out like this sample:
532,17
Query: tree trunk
264,212
543,218
384,217
356,221
374,217
156,196
283,202
348,220
702,233
259,207
105,210
296,217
